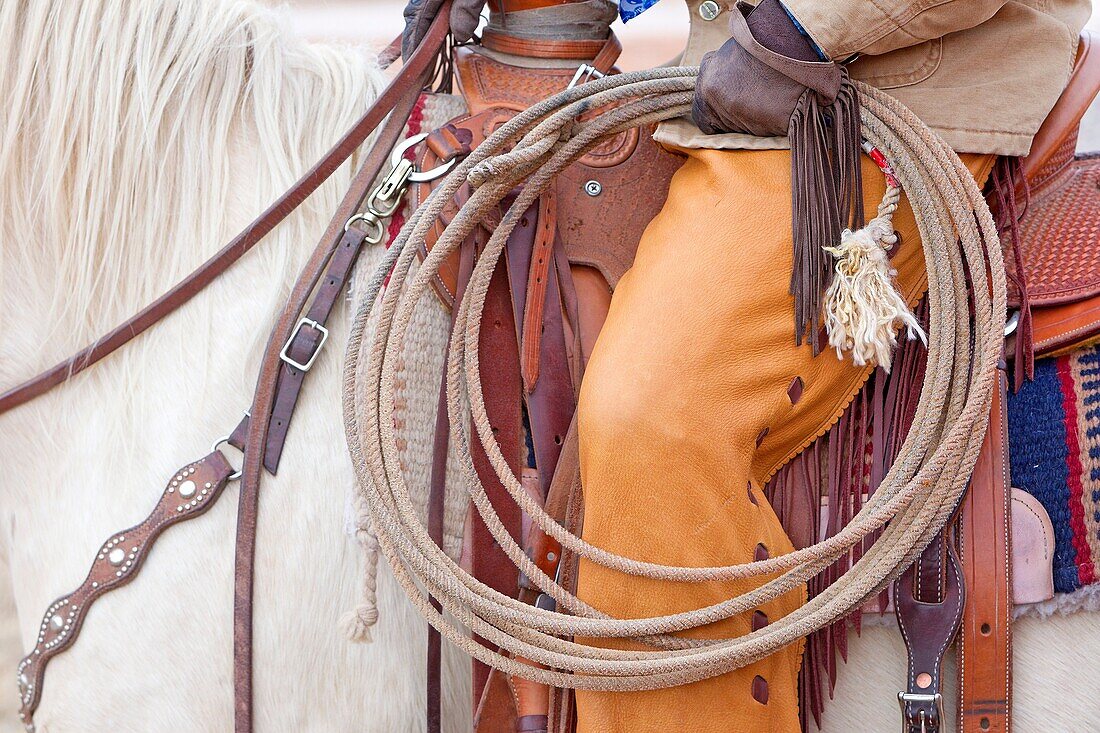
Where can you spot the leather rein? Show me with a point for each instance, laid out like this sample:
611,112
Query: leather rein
294,344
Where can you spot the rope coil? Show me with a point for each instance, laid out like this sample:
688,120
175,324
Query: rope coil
914,500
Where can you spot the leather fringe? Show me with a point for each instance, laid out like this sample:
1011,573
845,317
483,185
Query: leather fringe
1007,186
818,492
826,197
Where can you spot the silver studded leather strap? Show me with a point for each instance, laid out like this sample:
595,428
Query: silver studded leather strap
190,492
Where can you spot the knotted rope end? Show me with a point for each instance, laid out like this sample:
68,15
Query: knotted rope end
863,308
356,624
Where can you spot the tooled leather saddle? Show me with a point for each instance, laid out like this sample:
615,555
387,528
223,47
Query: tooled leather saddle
1060,229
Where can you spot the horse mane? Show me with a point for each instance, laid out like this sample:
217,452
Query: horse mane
137,137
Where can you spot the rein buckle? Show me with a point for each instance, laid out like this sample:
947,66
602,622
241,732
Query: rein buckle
923,710
285,356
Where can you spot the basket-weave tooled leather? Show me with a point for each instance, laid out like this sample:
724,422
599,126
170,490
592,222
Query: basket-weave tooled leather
1060,233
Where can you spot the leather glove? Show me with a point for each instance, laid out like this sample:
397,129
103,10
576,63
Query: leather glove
419,14
767,80
753,83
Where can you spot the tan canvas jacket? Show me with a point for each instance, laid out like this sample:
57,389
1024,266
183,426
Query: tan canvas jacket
982,73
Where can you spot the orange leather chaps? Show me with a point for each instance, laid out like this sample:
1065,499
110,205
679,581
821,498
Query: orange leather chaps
695,395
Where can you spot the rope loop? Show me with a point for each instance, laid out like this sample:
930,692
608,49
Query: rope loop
913,502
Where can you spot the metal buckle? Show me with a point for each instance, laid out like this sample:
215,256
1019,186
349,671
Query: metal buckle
309,363
926,726
1012,324
585,72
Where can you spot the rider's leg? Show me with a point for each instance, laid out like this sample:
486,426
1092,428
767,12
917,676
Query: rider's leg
694,396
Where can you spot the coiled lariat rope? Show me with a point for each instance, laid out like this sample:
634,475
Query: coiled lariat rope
913,502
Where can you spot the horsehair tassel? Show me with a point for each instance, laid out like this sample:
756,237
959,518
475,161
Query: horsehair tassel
826,197
862,306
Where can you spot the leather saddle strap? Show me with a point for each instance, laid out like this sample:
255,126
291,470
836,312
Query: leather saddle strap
498,348
985,647
268,395
506,705
401,96
538,306
437,498
190,492
549,396
928,602
546,48
242,243
529,298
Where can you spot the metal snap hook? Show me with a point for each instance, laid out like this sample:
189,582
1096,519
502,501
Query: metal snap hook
419,176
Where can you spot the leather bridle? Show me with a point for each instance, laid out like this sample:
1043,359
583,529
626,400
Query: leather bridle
293,345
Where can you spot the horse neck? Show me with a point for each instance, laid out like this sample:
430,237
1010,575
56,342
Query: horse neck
138,138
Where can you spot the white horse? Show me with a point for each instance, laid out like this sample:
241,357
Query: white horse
135,139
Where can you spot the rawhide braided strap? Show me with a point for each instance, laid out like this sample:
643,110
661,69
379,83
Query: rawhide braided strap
915,500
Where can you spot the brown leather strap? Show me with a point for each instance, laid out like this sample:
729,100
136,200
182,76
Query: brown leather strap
436,515
437,496
928,602
530,316
304,346
267,394
191,491
985,646
541,48
499,356
400,97
604,61
228,255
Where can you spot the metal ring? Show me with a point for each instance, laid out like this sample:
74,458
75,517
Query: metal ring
217,447
371,220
